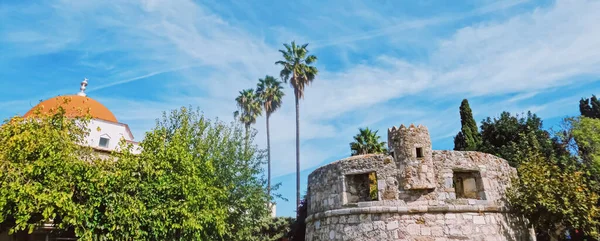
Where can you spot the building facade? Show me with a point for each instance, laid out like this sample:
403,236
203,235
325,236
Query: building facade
105,133
412,193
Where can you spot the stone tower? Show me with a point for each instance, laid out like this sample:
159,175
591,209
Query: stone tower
411,149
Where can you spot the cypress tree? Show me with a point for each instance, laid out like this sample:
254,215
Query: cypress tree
468,139
590,107
584,107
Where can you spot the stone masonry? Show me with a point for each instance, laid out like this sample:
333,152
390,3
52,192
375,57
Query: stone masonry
414,193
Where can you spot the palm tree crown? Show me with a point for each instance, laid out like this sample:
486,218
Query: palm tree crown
297,67
270,93
249,107
367,142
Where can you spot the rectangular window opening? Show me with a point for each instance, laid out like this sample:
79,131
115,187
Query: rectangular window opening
361,187
420,152
103,142
468,184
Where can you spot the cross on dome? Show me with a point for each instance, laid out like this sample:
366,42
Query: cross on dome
84,83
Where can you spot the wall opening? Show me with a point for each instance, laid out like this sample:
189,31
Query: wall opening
361,187
468,184
103,142
420,152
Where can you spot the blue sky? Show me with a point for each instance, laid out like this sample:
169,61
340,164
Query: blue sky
382,63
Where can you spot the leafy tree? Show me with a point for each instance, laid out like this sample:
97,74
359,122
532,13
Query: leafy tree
198,180
586,133
270,93
194,180
39,168
590,107
249,108
367,142
554,199
506,136
273,229
468,139
298,70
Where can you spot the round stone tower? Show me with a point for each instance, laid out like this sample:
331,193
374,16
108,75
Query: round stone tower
413,194
411,149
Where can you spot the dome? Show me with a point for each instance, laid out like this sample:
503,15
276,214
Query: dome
75,106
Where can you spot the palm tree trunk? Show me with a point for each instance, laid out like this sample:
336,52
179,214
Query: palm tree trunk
297,153
247,127
268,162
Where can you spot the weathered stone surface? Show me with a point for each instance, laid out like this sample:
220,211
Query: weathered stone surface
421,195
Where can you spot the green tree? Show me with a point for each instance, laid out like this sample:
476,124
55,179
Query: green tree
367,142
40,170
586,133
507,136
554,199
195,179
249,108
270,93
469,138
198,180
272,229
590,107
298,70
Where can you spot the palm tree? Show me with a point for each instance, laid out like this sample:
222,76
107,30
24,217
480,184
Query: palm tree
248,109
298,71
366,142
270,93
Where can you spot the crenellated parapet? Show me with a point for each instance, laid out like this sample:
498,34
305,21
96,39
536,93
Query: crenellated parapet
411,149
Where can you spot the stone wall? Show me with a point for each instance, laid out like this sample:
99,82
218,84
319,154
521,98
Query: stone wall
420,226
462,199
327,186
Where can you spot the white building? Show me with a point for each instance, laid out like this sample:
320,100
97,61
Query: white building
105,131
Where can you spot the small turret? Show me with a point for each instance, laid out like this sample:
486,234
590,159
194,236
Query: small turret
411,148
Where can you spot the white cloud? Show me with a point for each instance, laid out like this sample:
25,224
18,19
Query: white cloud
532,51
214,58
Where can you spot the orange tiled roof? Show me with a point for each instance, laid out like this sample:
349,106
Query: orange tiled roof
75,106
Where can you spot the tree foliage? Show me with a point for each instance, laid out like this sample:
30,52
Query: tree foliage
367,142
270,93
554,199
510,136
41,172
469,138
297,67
590,107
586,133
194,180
249,108
272,229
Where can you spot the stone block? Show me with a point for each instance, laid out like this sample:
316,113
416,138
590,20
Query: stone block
365,227
413,229
379,225
437,231
478,219
392,225
450,216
